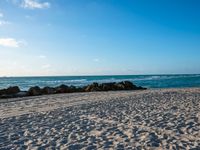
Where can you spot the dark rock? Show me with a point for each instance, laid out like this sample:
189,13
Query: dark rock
48,90
34,91
21,94
128,85
75,89
141,88
7,96
2,91
10,91
13,90
72,89
92,87
62,89
80,89
119,86
108,86
125,85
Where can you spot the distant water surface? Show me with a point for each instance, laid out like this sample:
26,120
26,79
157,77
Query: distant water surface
149,81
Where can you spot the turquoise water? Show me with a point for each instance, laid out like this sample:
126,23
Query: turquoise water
149,81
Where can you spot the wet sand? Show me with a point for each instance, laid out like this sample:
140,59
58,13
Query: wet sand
151,119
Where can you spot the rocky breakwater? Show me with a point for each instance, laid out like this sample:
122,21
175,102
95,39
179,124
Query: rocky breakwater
14,91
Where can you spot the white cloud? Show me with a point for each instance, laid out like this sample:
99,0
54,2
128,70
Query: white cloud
34,4
1,15
3,22
10,42
42,56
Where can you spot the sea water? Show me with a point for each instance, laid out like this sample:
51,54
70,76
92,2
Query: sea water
149,81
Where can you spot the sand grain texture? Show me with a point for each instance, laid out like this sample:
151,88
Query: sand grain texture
151,119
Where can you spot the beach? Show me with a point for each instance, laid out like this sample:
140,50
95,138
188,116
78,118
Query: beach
149,119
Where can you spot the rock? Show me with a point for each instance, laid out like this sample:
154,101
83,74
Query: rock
62,89
108,86
34,91
128,85
13,90
2,91
141,88
7,96
72,89
92,87
22,94
119,86
80,89
48,90
112,86
10,91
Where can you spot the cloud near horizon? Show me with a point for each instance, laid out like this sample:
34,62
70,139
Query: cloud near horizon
35,4
46,66
10,42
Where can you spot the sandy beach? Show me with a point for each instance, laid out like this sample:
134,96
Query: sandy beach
151,119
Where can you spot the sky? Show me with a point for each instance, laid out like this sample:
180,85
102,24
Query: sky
99,37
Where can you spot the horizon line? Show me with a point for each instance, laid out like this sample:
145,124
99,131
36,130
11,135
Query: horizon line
100,75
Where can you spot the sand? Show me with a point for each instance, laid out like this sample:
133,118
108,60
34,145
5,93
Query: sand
151,119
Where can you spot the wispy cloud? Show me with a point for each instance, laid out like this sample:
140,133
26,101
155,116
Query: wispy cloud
1,15
35,4
46,66
42,56
3,22
10,42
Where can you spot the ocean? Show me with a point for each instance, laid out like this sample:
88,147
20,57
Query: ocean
149,81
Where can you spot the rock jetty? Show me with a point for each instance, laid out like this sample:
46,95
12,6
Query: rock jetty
14,91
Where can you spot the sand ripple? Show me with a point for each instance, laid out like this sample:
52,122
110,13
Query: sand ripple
153,119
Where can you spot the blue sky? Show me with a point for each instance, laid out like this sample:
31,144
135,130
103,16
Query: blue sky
97,37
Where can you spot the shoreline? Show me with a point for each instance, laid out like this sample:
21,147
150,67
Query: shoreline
161,118
70,99
15,99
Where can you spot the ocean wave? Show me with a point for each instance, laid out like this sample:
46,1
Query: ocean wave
58,81
165,77
143,80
